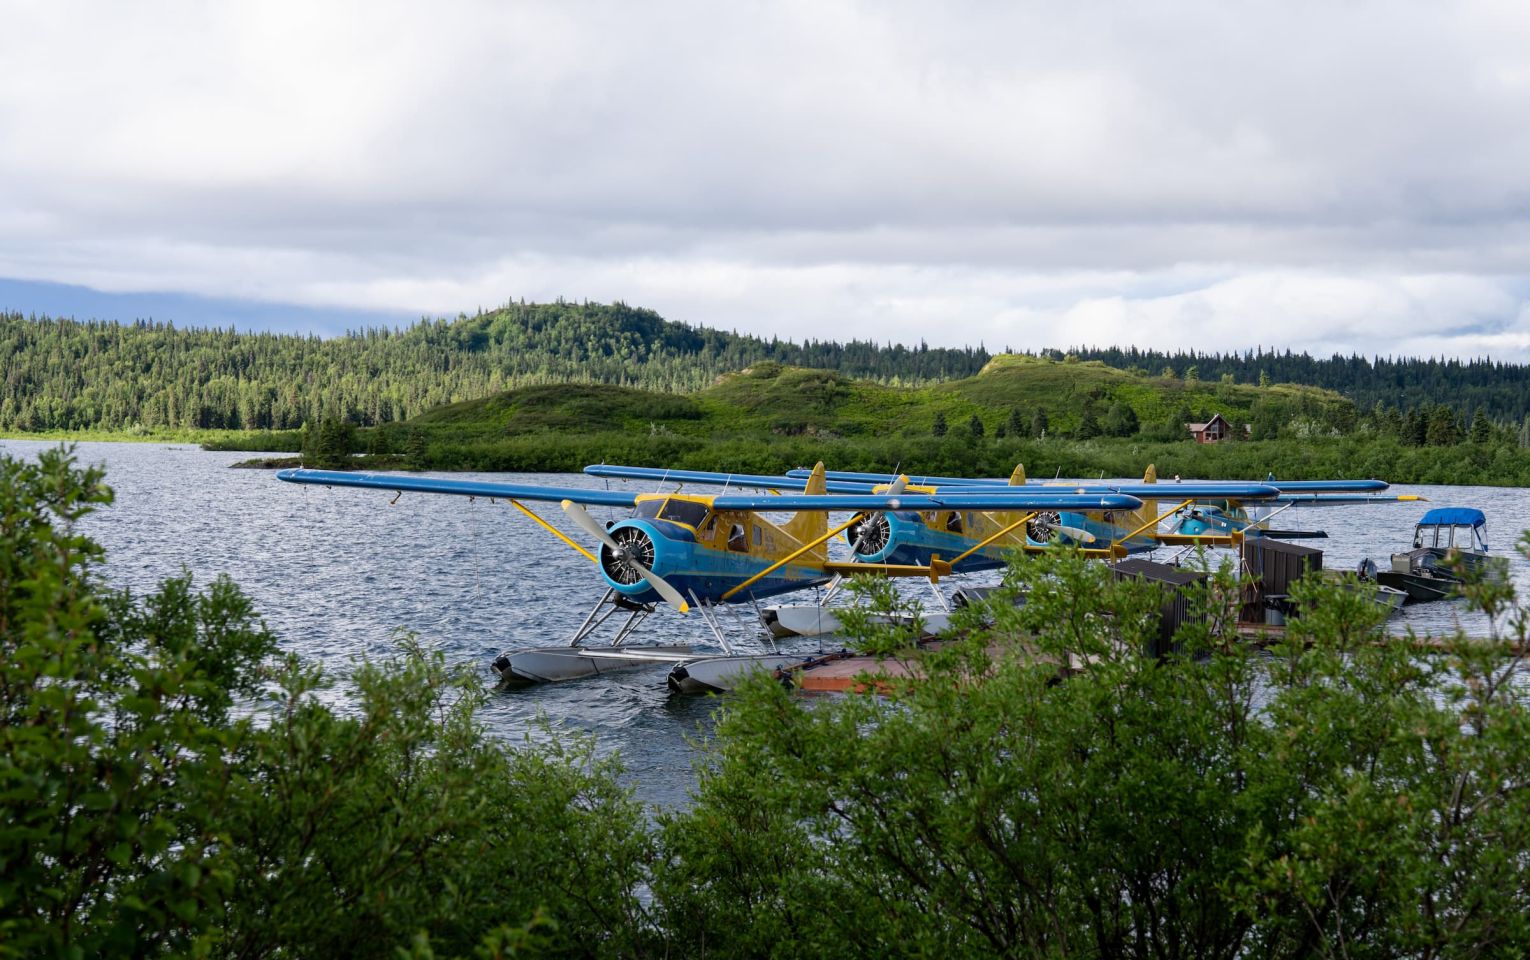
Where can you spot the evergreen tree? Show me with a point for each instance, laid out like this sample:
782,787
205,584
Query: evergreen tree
415,450
975,426
1415,428
1016,422
1443,429
1482,428
1088,424
1039,423
1120,420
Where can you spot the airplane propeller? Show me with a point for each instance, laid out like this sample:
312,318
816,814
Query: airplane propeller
874,531
625,554
1045,524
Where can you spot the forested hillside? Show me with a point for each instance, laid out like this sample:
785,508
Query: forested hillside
59,374
1499,390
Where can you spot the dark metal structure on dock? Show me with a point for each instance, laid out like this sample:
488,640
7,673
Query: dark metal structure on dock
1273,566
1177,609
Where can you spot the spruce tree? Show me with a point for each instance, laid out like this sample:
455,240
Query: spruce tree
1482,428
1016,422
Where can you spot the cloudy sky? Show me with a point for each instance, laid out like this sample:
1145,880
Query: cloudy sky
1326,176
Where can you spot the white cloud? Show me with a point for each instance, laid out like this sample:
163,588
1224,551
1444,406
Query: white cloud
1183,174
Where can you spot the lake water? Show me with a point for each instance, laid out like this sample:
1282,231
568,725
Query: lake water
336,573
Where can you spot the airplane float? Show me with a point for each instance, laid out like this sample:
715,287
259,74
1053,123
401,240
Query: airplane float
693,551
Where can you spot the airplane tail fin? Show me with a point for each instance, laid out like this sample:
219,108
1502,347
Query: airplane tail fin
1017,479
811,524
1150,475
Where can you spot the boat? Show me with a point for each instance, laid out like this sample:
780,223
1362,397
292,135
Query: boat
1390,599
1449,546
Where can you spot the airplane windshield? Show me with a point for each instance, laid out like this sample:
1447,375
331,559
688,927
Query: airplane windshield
648,509
687,512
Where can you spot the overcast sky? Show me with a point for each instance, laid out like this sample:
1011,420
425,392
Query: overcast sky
1218,175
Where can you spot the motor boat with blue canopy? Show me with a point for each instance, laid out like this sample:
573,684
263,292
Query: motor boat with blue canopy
1449,548
1464,528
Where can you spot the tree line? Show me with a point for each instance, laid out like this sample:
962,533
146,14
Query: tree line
1501,391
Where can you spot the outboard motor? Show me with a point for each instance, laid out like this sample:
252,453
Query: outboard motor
1366,570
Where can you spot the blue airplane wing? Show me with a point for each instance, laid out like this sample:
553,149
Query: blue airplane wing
753,480
1012,502
766,482
1199,490
465,488
1339,500
1329,486
1283,486
851,476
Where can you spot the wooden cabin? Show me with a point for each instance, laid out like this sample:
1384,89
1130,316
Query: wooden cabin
1214,430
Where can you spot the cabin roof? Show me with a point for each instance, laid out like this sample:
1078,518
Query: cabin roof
1450,516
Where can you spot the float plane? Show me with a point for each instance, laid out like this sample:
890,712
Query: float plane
982,537
695,552
1203,517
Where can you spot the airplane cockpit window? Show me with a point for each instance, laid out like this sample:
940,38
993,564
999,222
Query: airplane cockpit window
954,522
736,539
688,512
648,509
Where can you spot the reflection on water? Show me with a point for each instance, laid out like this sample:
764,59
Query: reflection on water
337,573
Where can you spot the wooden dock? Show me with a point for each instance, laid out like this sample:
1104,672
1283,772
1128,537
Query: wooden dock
846,672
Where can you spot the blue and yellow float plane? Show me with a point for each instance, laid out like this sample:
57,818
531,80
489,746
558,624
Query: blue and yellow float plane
1203,517
695,551
978,538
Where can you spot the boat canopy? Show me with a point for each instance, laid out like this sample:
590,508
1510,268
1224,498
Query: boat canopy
1453,516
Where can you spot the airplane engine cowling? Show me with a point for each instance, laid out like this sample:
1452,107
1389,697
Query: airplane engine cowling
647,543
870,537
1039,528
637,544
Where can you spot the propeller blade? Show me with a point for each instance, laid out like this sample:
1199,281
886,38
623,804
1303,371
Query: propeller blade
669,593
593,527
1075,533
589,524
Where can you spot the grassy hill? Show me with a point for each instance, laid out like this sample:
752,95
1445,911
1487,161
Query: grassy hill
769,417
